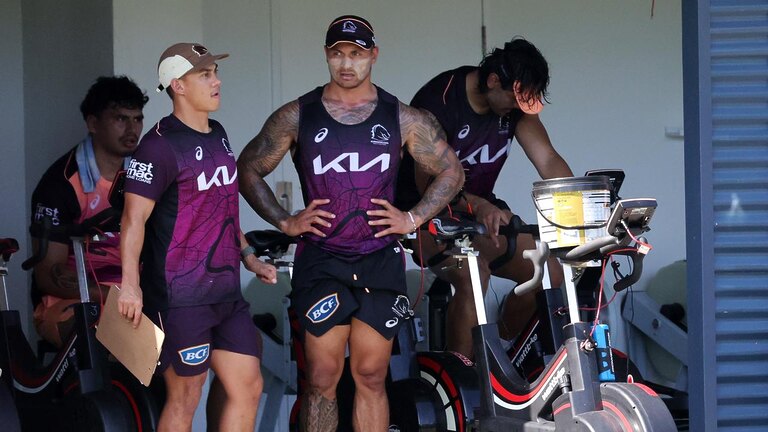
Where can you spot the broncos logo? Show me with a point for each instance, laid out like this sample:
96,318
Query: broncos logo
348,27
402,307
380,135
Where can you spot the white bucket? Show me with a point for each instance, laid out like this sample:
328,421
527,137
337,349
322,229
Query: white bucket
572,211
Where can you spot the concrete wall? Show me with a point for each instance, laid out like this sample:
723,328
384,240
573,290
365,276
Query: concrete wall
142,30
66,46
13,217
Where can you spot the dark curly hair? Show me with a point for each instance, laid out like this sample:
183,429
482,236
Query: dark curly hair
519,60
110,91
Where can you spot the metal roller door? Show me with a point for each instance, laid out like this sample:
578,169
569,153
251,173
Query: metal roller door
725,50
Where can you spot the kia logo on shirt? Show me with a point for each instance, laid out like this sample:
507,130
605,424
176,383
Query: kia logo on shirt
350,162
220,177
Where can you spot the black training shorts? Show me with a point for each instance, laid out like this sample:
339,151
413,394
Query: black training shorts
329,290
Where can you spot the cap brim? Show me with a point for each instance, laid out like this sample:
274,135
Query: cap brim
206,62
353,42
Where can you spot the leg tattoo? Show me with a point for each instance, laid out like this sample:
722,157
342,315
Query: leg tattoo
317,413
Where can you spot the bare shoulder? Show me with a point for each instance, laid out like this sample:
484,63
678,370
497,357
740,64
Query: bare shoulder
285,118
419,124
419,121
264,152
281,128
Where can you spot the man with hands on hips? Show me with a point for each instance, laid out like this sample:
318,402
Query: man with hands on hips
346,139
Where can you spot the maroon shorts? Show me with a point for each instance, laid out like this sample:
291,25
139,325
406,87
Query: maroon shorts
192,332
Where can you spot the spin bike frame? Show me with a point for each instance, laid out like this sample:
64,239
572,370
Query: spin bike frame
568,394
79,378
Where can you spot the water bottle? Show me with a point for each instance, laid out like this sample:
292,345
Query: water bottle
604,354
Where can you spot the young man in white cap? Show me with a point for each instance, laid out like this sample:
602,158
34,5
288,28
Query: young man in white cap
346,138
482,108
181,223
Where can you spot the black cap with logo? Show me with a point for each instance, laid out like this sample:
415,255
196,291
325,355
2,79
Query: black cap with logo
352,29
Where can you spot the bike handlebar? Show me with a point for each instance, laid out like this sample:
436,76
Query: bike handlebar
272,243
107,220
582,252
8,247
637,268
595,249
538,257
517,226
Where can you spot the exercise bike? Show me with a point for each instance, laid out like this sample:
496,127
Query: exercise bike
80,389
568,394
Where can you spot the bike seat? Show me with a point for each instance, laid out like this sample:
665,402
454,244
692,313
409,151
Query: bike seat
269,241
449,229
8,247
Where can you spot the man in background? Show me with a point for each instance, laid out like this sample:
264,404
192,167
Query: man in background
75,188
482,108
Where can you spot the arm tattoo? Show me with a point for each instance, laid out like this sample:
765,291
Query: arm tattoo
427,144
262,155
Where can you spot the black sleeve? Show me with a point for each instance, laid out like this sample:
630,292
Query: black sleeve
436,97
54,197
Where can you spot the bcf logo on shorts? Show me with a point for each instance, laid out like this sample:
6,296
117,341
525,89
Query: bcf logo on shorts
195,355
323,309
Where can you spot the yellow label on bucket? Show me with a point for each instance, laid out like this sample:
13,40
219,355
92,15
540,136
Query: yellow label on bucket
568,211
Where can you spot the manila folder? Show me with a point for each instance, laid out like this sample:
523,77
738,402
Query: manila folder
138,349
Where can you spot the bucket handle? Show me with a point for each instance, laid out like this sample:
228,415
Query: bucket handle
579,227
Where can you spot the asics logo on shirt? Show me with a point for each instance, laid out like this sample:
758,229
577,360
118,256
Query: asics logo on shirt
95,202
140,171
464,132
349,162
199,153
220,178
321,134
485,155
194,355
